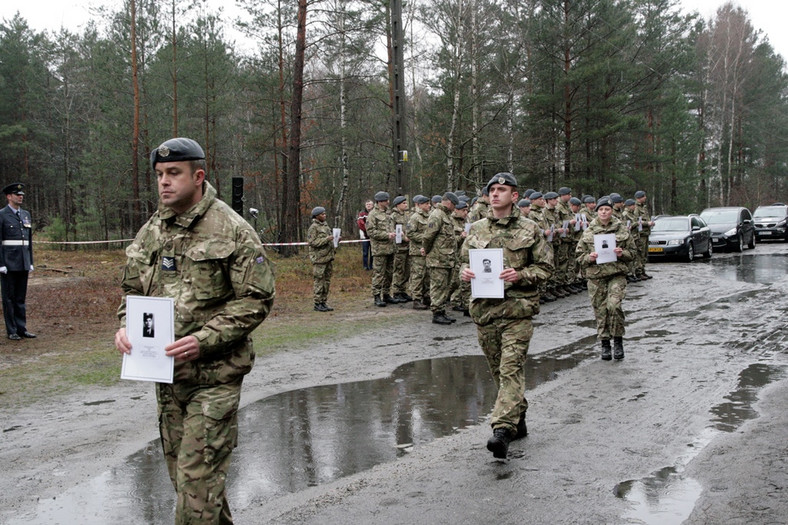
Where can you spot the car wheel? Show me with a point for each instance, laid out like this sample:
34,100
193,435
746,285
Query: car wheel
751,246
739,243
707,253
690,253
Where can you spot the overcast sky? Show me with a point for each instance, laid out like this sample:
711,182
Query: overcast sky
767,15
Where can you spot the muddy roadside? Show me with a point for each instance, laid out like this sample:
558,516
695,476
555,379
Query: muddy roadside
592,428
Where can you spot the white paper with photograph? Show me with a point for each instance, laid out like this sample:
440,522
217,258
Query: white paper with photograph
398,234
337,233
487,266
604,246
150,326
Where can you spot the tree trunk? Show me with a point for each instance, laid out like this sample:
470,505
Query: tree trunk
135,137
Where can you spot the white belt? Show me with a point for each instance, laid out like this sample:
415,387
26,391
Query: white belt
16,243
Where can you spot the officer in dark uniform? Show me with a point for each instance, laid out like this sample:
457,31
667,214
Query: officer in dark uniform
16,260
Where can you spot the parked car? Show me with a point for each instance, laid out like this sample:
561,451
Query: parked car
771,222
732,227
681,236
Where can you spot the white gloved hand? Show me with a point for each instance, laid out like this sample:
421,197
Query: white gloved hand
31,267
3,269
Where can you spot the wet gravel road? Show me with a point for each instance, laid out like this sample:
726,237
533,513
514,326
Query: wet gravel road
390,426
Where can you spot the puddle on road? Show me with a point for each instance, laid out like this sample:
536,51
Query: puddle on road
763,269
669,497
302,438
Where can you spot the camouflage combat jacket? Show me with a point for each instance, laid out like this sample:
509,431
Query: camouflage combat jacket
479,210
643,214
459,228
379,226
563,214
537,216
550,221
417,225
211,262
628,218
439,242
524,249
401,217
320,238
585,246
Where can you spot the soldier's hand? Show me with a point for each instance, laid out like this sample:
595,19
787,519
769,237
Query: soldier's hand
184,349
392,235
31,267
122,342
3,269
466,275
618,250
510,275
592,256
422,252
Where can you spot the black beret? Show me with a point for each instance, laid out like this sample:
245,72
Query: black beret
436,199
399,199
176,150
451,197
381,196
588,198
16,188
629,202
604,201
564,190
640,194
505,178
523,202
615,197
575,201
536,195
550,195
317,211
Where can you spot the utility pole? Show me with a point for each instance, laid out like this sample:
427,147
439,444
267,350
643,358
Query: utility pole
398,99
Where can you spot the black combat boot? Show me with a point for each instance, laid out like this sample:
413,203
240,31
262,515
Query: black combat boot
320,308
379,301
327,308
405,297
440,318
618,348
419,305
390,300
522,429
548,297
499,443
606,350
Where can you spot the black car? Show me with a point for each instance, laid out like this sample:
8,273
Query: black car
732,227
682,236
771,222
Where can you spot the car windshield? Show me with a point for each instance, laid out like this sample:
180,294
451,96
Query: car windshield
671,224
770,211
720,216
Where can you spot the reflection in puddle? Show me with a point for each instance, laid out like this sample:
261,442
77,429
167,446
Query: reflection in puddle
302,438
667,496
763,269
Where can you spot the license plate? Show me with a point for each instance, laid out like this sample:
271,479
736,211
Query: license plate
655,249
766,233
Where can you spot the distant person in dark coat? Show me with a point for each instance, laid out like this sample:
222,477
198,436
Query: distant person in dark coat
16,260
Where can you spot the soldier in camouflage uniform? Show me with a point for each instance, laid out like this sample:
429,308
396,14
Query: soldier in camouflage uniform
461,290
642,232
320,238
607,283
525,207
618,206
440,247
480,208
537,215
401,271
196,249
381,233
419,278
564,247
504,326
630,221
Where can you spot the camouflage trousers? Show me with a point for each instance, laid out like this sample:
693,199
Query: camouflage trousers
563,253
505,345
382,266
641,241
321,273
440,288
199,429
419,278
401,273
461,296
606,295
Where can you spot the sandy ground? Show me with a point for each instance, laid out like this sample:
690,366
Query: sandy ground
692,331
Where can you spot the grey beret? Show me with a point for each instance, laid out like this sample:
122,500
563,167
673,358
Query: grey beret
399,199
485,191
473,200
420,199
436,199
640,194
381,196
451,197
460,193
564,190
550,195
176,150
528,192
589,198
507,179
523,202
536,195
462,205
629,202
575,201
604,201
615,197
317,211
